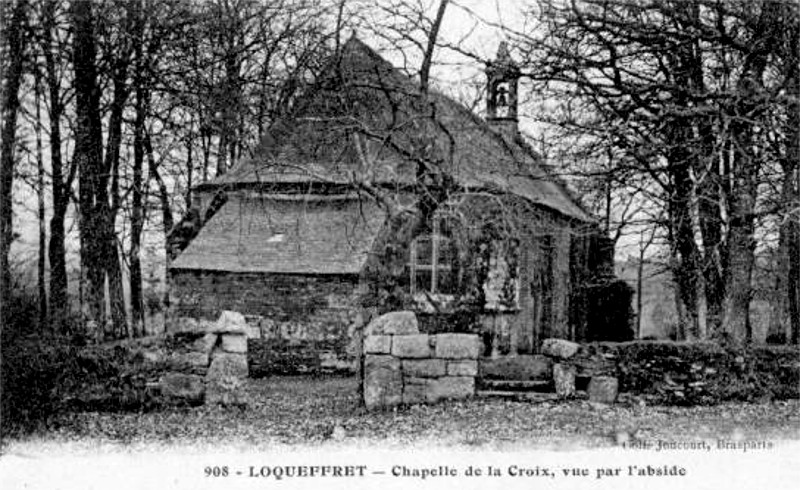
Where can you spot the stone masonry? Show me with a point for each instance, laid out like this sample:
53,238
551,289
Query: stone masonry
568,364
402,366
214,366
296,323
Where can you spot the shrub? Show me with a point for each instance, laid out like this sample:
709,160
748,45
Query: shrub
33,366
610,311
46,372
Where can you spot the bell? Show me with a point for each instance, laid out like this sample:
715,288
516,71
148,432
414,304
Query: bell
502,100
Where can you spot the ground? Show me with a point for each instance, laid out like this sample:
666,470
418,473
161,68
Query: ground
325,410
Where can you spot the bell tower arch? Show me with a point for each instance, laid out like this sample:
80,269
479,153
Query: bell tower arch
502,78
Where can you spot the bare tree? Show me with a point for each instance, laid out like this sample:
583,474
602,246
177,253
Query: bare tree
427,60
788,278
88,155
14,17
682,90
41,265
53,41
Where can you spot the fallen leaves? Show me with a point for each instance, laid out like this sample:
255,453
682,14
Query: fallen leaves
317,410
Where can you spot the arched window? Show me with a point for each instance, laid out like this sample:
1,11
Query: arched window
433,263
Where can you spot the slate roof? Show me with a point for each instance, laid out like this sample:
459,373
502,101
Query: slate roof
364,120
297,234
367,120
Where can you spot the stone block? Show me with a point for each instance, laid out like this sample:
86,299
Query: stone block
603,389
411,346
226,390
189,362
253,331
394,323
205,343
564,379
331,361
450,387
183,387
153,356
183,324
414,380
228,365
234,342
560,348
416,392
378,344
229,322
520,368
424,368
457,346
462,368
383,382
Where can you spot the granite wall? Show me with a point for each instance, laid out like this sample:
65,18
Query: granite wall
403,366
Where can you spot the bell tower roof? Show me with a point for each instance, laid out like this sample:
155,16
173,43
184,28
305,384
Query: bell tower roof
503,64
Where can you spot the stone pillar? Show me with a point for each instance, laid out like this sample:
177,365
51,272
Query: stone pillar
382,384
564,380
403,366
212,364
603,389
228,370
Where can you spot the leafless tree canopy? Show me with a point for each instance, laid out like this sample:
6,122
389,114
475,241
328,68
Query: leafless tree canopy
678,120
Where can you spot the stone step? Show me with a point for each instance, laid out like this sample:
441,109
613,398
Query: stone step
521,367
521,396
516,385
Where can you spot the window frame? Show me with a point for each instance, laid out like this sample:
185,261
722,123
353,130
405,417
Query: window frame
433,266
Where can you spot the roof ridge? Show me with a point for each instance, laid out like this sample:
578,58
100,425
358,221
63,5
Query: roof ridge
384,101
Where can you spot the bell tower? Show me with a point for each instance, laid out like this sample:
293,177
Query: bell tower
502,77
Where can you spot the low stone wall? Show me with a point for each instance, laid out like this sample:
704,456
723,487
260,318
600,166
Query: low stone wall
675,373
208,362
403,366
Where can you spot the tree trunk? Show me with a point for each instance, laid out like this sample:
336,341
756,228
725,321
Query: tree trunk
746,113
88,156
779,298
163,193
13,39
119,324
687,273
791,168
792,236
688,213
14,44
205,144
711,223
427,60
644,245
189,167
119,327
741,245
56,251
233,102
137,210
163,196
41,264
